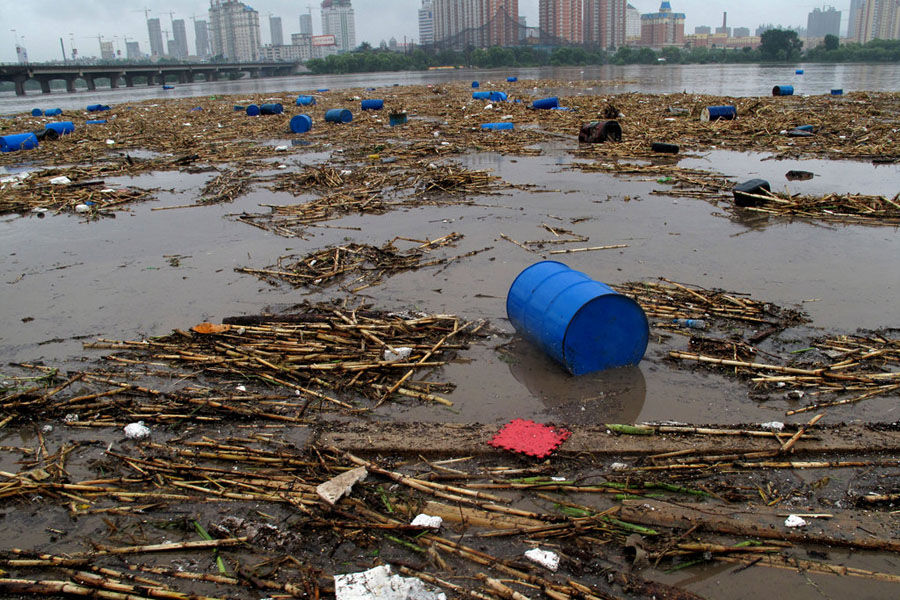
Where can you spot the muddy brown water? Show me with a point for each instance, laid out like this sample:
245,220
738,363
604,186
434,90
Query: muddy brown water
65,281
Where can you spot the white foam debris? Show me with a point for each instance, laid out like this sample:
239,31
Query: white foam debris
136,431
379,584
336,488
428,521
397,354
794,521
545,558
774,425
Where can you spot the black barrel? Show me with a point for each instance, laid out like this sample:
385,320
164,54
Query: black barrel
757,187
600,131
665,148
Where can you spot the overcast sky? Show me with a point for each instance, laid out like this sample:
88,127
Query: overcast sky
39,25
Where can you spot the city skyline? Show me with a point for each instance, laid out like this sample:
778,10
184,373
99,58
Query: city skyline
79,22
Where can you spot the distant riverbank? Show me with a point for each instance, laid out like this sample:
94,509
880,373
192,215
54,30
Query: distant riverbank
717,79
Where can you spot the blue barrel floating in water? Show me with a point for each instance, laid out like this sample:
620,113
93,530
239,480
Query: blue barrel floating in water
338,115
497,97
306,101
498,126
583,324
798,72
96,122
475,84
61,127
372,104
168,87
783,90
481,95
322,90
253,110
18,141
239,108
97,107
271,109
301,123
36,112
397,119
714,113
546,103
837,92
512,79
52,112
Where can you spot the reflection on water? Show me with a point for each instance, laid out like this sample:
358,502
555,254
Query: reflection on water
614,396
722,80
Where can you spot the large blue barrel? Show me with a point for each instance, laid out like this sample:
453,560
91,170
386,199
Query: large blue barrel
18,141
338,115
301,123
399,118
97,107
798,72
36,112
475,84
783,90
498,126
372,104
512,79
96,122
61,127
497,97
714,113
583,324
253,110
306,101
546,103
52,112
271,109
837,92
481,95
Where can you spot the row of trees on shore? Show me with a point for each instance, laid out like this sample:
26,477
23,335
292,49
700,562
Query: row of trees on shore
777,46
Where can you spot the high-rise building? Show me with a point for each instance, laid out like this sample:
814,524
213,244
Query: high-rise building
477,23
741,32
632,23
853,16
306,24
107,51
276,32
605,23
21,54
133,50
426,23
201,38
877,19
561,20
663,28
180,35
338,20
702,30
156,41
234,28
820,23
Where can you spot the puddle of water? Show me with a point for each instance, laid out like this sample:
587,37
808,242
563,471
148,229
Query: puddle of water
112,279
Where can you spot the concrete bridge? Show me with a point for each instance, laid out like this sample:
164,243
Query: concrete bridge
118,73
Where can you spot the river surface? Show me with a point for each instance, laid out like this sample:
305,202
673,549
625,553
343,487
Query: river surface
725,80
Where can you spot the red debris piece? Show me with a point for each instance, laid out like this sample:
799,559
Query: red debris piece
529,438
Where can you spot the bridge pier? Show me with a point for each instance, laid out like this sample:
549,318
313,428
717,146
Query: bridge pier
214,76
254,73
89,80
45,85
20,85
70,84
129,80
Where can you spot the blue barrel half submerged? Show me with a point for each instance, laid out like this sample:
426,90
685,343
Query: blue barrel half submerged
18,141
271,109
36,112
52,112
397,119
583,324
481,95
338,115
301,123
253,110
61,127
97,107
475,84
497,97
837,92
783,90
546,103
96,122
372,104
306,101
498,126
512,79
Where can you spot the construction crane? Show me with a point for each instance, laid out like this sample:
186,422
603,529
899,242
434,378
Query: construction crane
146,12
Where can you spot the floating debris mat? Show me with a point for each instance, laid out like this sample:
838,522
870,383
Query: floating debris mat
251,511
374,354
839,208
367,264
226,187
680,306
42,194
852,367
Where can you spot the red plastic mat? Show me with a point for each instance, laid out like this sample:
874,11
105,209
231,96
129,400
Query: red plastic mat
529,438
